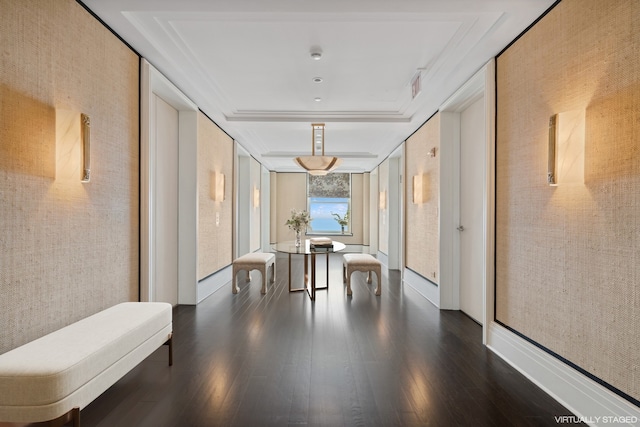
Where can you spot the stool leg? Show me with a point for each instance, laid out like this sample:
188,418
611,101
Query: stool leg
234,284
379,287
264,280
248,275
349,283
273,272
369,277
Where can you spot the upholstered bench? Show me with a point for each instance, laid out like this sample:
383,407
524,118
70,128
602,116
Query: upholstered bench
361,262
53,377
254,261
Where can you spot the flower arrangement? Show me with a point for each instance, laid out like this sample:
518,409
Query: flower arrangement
342,220
299,220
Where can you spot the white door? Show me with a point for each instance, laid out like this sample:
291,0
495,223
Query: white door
165,262
472,176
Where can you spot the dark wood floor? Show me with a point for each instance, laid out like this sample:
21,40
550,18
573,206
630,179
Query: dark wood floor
282,360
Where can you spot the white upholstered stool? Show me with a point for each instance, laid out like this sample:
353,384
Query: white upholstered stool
360,262
254,261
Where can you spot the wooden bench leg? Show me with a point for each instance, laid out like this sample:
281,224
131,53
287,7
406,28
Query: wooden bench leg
170,344
75,416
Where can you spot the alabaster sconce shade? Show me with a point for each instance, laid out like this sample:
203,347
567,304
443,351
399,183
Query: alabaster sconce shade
217,186
73,145
382,202
566,148
420,189
256,197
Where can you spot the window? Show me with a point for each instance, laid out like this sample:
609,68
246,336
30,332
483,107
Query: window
327,195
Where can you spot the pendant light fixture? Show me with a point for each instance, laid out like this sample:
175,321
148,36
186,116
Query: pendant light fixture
318,165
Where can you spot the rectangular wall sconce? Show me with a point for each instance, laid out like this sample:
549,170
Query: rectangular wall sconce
217,186
85,134
256,197
382,202
420,189
566,148
73,146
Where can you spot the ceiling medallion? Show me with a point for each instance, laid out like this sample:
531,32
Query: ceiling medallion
318,165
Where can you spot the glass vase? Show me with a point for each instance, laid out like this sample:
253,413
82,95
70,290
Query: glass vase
298,238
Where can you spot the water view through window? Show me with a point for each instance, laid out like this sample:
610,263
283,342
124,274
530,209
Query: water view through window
321,210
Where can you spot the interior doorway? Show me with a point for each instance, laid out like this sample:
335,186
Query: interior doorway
472,175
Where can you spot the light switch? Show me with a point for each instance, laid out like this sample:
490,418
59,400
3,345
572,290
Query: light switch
217,219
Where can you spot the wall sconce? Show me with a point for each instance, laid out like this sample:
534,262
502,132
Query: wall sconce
432,152
566,148
217,186
73,145
256,197
420,189
85,123
382,202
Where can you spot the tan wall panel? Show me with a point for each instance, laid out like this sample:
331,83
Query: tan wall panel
568,264
215,155
291,190
422,253
292,194
67,250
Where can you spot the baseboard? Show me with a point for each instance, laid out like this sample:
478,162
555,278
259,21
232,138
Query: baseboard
383,258
591,403
212,283
423,286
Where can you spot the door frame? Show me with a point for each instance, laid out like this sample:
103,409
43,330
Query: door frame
482,84
152,82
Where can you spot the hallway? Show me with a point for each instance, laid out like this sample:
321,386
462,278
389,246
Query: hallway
282,360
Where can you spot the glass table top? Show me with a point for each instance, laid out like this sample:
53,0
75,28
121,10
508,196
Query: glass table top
289,247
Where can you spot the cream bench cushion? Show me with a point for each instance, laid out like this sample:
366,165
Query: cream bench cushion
46,378
361,262
254,261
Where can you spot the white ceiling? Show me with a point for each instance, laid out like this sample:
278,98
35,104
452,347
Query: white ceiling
247,64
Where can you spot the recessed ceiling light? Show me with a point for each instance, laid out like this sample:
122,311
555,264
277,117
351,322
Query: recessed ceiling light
317,79
316,55
318,99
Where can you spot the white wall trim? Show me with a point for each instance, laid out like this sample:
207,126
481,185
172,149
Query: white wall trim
489,210
188,208
584,397
423,286
383,258
215,282
152,83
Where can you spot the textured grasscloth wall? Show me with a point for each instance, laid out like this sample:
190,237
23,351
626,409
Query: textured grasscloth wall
568,257
215,154
422,225
67,249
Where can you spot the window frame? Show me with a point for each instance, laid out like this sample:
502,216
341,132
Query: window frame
348,227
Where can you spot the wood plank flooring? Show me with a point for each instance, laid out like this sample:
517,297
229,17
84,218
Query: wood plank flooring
282,360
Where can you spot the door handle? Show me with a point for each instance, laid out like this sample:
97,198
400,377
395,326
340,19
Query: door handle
460,228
